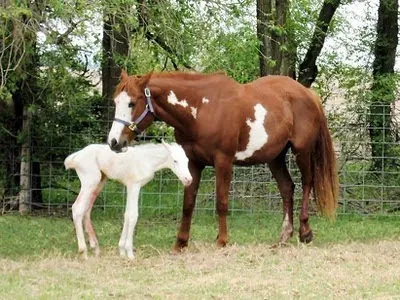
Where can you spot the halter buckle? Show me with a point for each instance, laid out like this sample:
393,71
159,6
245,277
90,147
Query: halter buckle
147,92
132,126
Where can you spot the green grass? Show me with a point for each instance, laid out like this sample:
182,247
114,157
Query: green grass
355,257
33,236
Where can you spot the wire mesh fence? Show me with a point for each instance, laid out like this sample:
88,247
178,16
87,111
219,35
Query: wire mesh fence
368,184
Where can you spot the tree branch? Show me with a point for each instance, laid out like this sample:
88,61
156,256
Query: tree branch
308,70
151,37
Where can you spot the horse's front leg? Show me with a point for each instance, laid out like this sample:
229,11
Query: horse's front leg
130,219
223,171
188,206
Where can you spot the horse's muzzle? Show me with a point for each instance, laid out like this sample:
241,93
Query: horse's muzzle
117,147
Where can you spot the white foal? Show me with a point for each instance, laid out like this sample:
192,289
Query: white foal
134,168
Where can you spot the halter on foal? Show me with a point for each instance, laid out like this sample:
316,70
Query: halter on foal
220,122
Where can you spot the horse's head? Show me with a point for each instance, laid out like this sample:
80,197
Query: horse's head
134,111
178,163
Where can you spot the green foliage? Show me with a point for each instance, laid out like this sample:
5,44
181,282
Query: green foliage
235,53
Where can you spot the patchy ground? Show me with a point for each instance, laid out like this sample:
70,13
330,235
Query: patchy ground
353,271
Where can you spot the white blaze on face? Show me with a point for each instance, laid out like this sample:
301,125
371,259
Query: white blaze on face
123,112
258,136
194,112
205,100
172,99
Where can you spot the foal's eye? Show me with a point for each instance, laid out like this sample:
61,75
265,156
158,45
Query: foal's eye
131,104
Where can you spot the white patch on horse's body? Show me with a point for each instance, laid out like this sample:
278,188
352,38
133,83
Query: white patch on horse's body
123,112
258,136
134,168
205,100
194,112
172,99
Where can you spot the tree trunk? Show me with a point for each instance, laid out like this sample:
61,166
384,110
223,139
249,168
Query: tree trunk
383,90
308,69
25,170
115,49
263,10
275,54
27,90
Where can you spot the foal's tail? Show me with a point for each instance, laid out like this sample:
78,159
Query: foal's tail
70,162
323,159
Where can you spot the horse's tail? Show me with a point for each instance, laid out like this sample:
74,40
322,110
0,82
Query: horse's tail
70,161
325,177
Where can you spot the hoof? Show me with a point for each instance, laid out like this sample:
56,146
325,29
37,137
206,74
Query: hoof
83,254
221,243
279,245
306,237
180,246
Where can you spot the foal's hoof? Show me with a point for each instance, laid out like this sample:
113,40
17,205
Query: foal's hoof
306,237
83,254
96,251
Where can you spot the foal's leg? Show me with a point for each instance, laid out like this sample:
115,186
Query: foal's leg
188,206
130,219
286,188
93,242
303,161
223,172
89,183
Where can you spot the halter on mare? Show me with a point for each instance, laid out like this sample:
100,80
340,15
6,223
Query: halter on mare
149,109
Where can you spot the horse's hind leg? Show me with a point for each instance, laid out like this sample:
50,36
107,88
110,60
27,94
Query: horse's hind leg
78,210
303,161
89,183
286,188
93,241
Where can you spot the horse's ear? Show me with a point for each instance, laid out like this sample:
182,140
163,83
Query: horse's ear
124,75
144,80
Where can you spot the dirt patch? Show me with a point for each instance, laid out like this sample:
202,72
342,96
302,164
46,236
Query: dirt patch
202,272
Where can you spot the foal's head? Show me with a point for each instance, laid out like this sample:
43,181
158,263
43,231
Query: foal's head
178,162
133,111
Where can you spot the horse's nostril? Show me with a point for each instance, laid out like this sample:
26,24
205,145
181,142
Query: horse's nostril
113,143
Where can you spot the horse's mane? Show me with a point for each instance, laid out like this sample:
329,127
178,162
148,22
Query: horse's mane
124,83
188,75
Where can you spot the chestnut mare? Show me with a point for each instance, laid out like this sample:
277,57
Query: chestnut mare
220,122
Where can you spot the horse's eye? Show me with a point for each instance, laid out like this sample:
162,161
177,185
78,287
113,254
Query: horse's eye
131,104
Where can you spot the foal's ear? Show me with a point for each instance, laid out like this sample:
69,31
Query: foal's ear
143,80
124,75
167,146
